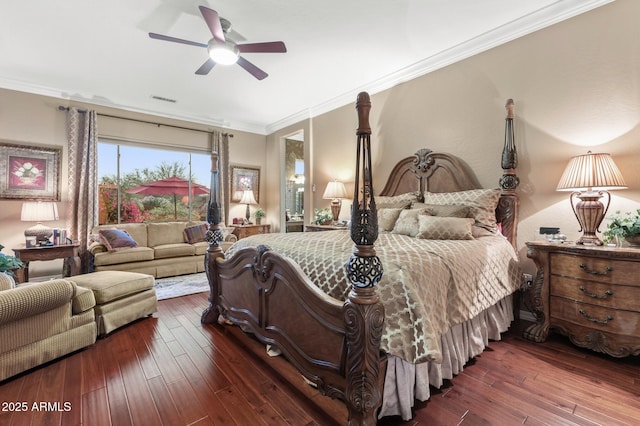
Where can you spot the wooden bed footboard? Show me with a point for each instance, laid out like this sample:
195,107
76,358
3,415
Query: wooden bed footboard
269,296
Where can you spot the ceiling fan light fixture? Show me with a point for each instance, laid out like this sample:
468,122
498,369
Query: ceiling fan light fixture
223,53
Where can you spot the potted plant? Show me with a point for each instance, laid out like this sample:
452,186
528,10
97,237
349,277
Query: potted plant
323,217
8,263
624,226
259,214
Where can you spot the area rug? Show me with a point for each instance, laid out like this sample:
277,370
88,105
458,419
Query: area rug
181,285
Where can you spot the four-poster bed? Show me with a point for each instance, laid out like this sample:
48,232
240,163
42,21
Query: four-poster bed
330,321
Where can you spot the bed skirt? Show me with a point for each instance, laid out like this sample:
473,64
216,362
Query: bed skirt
406,382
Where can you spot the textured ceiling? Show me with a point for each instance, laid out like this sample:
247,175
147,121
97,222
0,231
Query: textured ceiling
99,51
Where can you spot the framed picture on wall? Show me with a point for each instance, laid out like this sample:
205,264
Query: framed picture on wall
244,178
29,172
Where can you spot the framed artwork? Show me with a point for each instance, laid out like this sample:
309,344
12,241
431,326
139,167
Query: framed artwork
242,179
29,172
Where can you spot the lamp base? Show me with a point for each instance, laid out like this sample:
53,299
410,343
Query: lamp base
590,212
336,205
40,231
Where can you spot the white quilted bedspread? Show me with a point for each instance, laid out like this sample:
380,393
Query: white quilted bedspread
427,285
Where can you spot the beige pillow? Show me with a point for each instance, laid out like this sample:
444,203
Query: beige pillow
444,228
407,223
445,210
397,201
483,203
387,218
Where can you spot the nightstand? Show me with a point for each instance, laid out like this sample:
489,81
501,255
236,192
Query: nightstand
243,231
318,228
589,294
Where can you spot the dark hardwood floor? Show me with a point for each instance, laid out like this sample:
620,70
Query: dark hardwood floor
171,370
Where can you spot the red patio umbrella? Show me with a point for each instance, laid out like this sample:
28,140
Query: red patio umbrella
170,186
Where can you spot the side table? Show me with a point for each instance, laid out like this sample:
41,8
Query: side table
319,228
68,252
243,231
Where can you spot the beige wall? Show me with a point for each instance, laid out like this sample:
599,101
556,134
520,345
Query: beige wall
576,87
33,119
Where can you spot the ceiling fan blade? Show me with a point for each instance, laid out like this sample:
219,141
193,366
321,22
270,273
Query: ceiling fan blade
252,69
176,40
206,67
213,22
269,47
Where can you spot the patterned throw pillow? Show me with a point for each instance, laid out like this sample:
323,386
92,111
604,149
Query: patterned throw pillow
407,223
397,201
116,239
196,233
483,203
445,210
387,218
444,228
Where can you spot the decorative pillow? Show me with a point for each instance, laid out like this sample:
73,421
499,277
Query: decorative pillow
407,223
116,239
445,210
401,201
196,233
387,218
482,201
444,228
6,282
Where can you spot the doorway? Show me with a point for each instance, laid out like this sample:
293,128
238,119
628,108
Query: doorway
294,183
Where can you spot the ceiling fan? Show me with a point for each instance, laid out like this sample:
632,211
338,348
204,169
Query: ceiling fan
223,50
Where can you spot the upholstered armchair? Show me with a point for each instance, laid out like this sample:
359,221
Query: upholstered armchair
42,321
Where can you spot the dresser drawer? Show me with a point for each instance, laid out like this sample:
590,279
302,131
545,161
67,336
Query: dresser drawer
596,293
596,317
595,269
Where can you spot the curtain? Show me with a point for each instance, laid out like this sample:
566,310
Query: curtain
220,144
82,211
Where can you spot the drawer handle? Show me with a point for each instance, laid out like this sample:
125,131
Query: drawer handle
606,294
599,321
592,272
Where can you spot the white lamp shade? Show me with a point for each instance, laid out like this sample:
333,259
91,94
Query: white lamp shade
247,197
335,191
39,211
591,171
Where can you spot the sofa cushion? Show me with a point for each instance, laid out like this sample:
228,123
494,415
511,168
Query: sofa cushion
201,248
165,233
83,300
173,250
117,239
136,254
196,233
113,285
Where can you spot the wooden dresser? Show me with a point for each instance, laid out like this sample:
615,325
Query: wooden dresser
589,294
242,231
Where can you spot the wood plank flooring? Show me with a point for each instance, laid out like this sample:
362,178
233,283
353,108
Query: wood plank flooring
171,370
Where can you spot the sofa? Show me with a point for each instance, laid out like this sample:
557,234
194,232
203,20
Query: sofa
161,249
40,322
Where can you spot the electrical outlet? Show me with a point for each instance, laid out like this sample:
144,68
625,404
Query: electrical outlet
527,281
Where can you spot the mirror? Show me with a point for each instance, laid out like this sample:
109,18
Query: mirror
295,178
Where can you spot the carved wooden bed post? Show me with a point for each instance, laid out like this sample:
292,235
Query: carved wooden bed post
214,238
509,181
363,311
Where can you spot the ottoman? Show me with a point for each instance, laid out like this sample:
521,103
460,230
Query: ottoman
121,297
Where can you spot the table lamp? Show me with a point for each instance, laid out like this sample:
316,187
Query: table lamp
248,199
590,176
39,211
335,192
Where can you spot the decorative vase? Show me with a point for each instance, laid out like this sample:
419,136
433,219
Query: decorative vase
633,240
258,220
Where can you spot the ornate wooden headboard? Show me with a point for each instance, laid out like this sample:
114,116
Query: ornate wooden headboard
439,172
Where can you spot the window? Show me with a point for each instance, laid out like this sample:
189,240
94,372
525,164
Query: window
133,186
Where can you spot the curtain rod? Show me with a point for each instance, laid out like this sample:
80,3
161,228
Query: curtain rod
64,108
